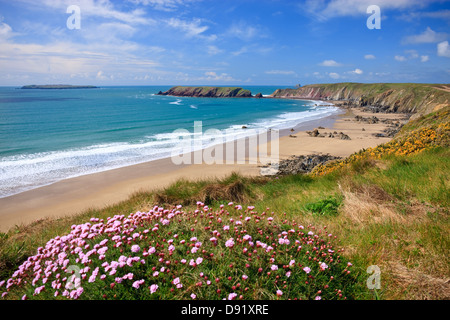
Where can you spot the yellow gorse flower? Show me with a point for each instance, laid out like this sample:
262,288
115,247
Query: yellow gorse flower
416,141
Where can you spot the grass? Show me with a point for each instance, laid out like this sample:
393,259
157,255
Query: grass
388,209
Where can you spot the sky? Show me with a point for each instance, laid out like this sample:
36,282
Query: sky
223,42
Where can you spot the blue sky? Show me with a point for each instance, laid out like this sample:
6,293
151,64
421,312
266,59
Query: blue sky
227,42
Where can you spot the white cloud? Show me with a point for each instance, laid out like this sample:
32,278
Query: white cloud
412,54
334,75
400,58
243,31
369,57
5,31
164,5
213,76
191,28
357,71
443,49
213,50
281,72
330,63
102,8
414,16
324,10
424,58
428,36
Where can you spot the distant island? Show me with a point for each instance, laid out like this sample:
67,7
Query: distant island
57,86
210,92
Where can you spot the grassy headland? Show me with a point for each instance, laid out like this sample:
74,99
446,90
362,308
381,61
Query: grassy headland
391,97
386,206
211,92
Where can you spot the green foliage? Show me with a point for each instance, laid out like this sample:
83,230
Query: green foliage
325,207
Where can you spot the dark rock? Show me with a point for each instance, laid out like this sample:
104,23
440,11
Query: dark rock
343,136
303,164
259,95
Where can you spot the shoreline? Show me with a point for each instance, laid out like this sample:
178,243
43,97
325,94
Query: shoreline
98,190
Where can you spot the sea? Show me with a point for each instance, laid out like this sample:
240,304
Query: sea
47,135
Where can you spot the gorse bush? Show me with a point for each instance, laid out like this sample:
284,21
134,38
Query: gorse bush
223,253
416,141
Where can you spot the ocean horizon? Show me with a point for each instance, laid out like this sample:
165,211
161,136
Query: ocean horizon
48,135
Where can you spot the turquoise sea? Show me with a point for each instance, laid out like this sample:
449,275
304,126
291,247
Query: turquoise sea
50,135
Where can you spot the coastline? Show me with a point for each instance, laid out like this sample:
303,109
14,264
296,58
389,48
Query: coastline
75,195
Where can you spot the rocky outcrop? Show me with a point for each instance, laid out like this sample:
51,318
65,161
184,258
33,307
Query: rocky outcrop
303,164
315,133
210,92
377,97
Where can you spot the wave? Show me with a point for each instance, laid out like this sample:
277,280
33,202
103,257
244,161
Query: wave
20,173
178,102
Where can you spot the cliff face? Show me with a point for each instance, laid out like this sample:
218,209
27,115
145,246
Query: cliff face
213,92
387,97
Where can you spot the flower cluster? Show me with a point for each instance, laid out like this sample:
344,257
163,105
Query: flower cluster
229,253
416,141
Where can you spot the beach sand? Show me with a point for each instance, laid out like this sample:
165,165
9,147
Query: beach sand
101,189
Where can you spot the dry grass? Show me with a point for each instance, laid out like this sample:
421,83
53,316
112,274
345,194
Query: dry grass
368,203
416,285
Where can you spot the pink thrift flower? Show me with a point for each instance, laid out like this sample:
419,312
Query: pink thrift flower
318,298
135,248
199,260
323,266
229,243
138,283
153,288
193,296
274,267
307,269
231,296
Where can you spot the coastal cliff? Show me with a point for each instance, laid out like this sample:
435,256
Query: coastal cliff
383,97
211,92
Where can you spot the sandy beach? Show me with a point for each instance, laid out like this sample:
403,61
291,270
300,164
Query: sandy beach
98,190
